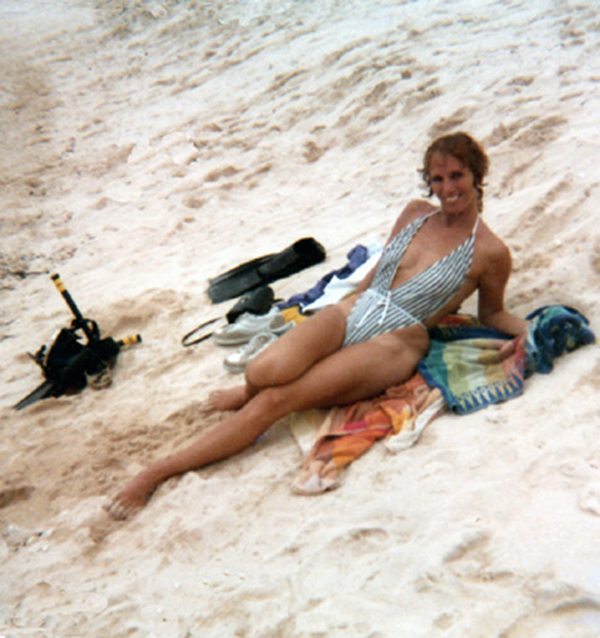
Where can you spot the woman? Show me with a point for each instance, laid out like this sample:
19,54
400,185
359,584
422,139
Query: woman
434,259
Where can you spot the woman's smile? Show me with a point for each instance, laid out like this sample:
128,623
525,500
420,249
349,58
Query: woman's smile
453,184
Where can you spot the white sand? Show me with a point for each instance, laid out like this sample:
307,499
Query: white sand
150,146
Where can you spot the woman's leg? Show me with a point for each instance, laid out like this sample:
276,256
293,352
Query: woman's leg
285,359
352,374
296,351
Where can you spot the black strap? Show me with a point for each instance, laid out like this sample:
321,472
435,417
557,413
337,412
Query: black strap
184,341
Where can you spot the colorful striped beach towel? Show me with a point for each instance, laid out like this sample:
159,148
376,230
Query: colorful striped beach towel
469,365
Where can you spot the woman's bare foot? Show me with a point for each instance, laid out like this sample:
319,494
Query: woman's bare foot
225,400
132,497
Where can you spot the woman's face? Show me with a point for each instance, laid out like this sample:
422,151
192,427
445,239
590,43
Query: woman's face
453,184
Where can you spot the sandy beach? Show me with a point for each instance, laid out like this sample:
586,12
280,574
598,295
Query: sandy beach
147,146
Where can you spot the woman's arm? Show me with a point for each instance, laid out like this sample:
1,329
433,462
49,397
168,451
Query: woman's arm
492,285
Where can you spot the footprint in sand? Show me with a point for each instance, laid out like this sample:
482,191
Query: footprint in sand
45,602
451,123
468,557
589,501
541,133
219,173
11,495
579,618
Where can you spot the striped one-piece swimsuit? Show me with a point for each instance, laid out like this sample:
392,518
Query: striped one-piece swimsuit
381,309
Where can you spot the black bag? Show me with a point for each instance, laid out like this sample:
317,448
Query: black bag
67,363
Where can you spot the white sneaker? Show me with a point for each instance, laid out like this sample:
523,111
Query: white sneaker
249,325
237,361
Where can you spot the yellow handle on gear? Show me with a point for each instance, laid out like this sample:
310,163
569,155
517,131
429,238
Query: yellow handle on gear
129,341
58,282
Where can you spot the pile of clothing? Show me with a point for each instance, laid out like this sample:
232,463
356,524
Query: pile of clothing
257,319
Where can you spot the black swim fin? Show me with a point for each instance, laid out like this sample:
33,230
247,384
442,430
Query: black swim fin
264,270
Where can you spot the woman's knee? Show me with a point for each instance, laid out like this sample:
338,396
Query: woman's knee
273,402
271,368
277,364
295,352
258,371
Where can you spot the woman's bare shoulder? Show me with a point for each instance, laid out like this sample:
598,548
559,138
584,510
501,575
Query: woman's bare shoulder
414,209
419,207
491,241
494,250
